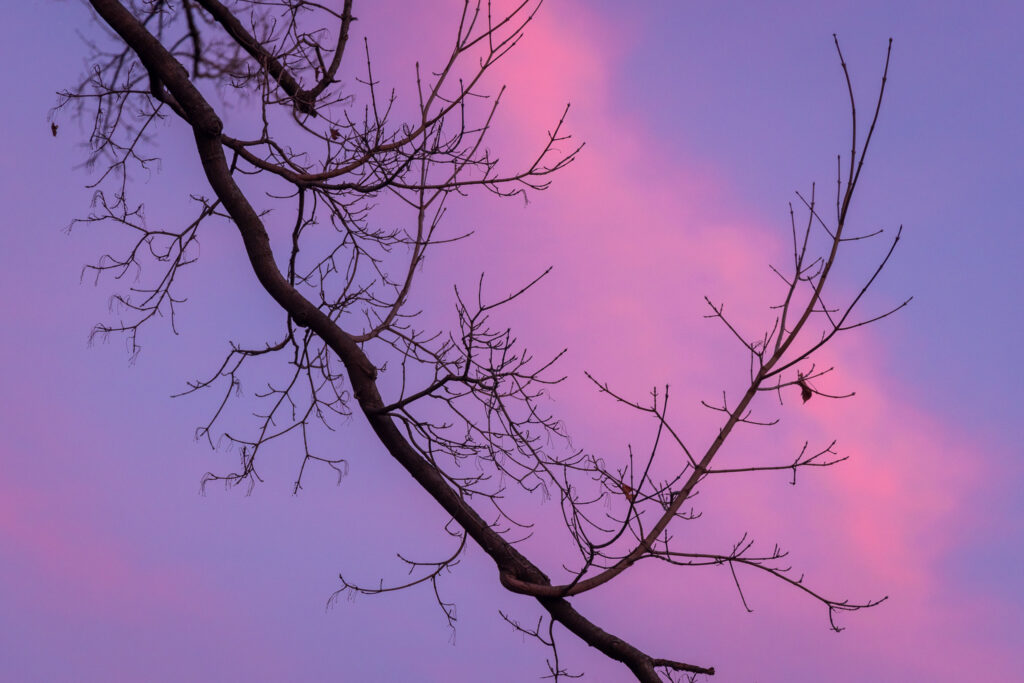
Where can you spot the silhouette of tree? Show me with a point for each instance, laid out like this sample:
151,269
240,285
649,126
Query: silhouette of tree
460,410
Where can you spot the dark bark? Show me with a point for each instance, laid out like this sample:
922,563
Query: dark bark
207,128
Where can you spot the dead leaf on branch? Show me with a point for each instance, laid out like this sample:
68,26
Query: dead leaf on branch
805,390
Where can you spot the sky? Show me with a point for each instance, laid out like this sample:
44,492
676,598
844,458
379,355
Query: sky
700,120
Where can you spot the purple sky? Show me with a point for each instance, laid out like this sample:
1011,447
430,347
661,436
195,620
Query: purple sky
700,120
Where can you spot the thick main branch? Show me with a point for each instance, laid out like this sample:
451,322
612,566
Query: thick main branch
207,129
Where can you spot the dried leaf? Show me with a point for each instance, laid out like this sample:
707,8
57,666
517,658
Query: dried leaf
805,389
627,491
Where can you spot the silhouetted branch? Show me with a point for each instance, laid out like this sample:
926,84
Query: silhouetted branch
466,413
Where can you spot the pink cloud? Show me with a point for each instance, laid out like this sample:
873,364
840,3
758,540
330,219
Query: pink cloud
86,568
637,240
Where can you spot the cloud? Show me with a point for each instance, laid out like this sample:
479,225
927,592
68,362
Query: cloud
637,238
50,535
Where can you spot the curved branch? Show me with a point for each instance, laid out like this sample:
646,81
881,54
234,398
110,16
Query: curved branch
362,374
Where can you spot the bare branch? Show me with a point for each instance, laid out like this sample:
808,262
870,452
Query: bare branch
463,408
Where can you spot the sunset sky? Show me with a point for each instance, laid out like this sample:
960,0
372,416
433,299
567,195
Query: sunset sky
700,120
